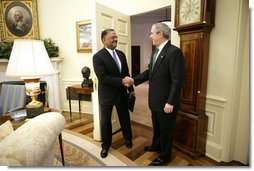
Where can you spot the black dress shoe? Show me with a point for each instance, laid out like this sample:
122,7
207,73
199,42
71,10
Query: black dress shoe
158,162
104,153
128,143
151,149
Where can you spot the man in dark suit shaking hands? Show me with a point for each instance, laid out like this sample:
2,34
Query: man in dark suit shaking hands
165,75
111,68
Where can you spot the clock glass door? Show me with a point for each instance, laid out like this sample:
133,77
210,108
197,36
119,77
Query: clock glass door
189,11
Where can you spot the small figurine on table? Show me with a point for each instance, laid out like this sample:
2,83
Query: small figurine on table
86,74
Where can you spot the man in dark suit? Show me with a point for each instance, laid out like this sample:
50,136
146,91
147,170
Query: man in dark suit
165,82
111,68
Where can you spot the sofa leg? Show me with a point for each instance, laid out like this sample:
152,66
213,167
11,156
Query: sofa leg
61,147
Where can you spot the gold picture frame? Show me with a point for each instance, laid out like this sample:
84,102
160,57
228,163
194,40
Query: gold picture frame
18,20
84,36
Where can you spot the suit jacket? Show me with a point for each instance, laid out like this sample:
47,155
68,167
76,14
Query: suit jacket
166,78
110,78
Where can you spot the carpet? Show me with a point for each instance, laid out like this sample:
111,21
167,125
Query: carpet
142,113
81,150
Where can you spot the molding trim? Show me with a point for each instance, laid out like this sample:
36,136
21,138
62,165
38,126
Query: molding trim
213,151
215,110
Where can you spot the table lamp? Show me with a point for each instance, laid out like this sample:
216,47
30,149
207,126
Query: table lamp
29,60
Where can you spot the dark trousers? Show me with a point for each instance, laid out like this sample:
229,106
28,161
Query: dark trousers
106,126
163,130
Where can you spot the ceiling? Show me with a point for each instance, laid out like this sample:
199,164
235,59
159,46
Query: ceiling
163,13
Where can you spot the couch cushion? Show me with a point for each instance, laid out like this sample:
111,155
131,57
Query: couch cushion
5,130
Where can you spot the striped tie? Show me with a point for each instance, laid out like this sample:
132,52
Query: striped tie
116,61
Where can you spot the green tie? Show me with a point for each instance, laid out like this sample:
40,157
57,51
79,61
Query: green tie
154,56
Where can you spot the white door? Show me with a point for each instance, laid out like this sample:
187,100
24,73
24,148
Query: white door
106,18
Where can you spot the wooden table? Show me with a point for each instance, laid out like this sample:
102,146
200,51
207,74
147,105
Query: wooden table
18,123
79,90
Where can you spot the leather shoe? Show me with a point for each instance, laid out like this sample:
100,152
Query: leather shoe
128,143
151,149
104,153
158,161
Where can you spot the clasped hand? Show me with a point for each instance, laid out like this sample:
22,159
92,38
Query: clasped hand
128,81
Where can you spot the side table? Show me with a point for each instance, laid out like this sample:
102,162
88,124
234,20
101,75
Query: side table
16,124
79,90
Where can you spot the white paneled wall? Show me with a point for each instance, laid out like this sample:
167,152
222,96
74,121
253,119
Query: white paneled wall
215,110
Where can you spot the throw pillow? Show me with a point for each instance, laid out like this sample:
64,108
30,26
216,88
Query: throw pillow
5,130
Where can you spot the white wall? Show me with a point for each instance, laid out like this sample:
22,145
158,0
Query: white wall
58,21
228,42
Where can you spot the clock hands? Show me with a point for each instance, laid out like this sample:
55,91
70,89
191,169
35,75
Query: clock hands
191,9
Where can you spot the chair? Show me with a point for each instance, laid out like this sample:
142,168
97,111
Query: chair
42,97
12,97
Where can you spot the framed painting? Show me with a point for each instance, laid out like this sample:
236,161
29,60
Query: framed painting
84,36
18,19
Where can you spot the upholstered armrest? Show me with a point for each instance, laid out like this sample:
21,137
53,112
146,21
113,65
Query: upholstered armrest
9,162
33,143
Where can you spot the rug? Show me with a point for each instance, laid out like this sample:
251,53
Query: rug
81,150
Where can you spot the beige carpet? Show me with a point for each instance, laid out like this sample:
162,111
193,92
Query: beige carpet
80,150
142,113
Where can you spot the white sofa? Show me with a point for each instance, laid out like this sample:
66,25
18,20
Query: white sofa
33,143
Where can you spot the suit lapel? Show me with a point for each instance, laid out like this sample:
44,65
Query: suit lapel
158,61
112,60
160,58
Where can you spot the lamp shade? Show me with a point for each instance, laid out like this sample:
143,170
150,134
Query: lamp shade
29,59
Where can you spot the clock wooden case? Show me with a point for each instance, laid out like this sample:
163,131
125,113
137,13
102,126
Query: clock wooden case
194,21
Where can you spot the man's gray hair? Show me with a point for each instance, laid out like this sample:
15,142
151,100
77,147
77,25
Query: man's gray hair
162,28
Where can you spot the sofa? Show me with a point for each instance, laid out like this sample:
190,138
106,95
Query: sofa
33,143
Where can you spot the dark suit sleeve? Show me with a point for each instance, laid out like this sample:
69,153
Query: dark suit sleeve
143,77
101,73
177,76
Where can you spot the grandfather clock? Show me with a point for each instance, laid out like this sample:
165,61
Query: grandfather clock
194,20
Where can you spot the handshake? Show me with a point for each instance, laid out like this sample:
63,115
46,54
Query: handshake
127,81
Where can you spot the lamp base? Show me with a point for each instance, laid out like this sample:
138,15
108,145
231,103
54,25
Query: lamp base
33,111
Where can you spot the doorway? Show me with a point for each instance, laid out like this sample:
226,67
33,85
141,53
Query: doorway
142,47
140,32
135,60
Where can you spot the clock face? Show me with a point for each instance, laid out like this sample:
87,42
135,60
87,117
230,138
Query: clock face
189,11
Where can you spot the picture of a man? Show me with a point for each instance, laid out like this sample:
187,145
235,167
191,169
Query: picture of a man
18,21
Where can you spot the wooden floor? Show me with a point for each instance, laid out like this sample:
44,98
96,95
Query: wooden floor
142,136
